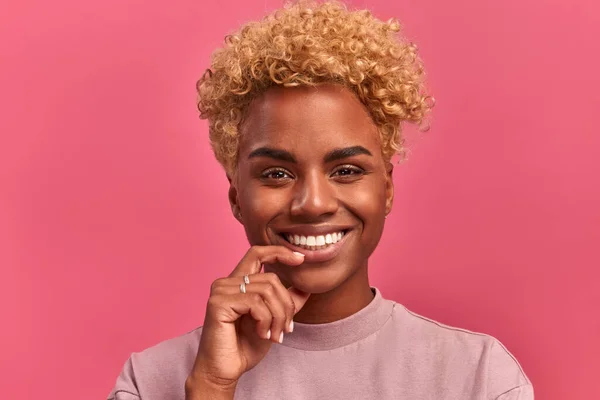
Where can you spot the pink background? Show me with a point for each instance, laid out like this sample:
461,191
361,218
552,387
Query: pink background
114,217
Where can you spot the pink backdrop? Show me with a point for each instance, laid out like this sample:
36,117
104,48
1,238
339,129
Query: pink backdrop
114,214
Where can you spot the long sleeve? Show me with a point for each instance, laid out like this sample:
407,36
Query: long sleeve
524,392
158,372
507,380
125,388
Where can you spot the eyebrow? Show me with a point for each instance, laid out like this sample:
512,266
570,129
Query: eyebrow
333,155
339,154
277,154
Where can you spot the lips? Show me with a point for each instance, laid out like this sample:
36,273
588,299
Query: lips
314,242
317,245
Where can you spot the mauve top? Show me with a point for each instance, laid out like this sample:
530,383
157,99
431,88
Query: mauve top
383,351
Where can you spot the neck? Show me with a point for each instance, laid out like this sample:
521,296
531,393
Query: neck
341,302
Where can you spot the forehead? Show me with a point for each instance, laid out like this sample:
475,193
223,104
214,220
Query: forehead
313,119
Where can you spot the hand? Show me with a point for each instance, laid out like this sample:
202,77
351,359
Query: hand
239,328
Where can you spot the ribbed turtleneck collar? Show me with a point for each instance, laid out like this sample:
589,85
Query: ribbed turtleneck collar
344,331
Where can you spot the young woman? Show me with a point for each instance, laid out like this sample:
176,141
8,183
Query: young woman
304,109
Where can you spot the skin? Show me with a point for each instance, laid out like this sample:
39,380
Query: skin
292,175
308,123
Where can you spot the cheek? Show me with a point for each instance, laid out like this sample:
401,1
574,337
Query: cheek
368,202
259,205
253,217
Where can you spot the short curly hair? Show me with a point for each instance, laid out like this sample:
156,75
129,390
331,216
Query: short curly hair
310,43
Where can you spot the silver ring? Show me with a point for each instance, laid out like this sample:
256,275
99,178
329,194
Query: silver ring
243,288
246,279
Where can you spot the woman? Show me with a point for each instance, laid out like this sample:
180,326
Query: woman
304,110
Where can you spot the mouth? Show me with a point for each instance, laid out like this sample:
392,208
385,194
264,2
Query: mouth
316,242
316,248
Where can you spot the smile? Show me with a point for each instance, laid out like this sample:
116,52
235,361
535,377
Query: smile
314,242
317,248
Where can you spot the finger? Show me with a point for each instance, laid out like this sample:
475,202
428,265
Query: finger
287,302
293,299
252,261
230,308
267,290
299,297
232,285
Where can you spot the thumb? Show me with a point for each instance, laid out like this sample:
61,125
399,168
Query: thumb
299,298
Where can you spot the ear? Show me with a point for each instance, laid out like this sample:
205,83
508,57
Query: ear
233,199
389,187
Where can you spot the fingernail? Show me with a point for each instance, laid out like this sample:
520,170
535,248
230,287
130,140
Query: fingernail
281,337
292,326
299,254
269,334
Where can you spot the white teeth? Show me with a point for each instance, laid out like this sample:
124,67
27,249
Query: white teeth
314,242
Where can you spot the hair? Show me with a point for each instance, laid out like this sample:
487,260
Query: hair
310,43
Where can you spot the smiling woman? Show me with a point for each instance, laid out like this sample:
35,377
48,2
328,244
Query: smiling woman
310,165
304,110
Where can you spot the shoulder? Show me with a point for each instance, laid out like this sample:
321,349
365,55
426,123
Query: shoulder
180,350
462,350
159,371
424,329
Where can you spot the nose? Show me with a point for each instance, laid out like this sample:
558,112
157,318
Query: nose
314,196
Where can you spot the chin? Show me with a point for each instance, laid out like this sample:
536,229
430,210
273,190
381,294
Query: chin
311,278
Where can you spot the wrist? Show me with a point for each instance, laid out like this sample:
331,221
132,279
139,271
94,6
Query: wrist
205,387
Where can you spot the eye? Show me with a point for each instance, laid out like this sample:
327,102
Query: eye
348,171
275,174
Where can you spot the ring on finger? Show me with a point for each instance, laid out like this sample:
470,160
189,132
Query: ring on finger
243,288
246,279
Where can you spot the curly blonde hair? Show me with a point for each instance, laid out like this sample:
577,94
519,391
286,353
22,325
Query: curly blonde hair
310,43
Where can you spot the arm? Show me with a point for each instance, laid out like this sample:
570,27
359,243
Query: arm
204,390
125,388
122,395
507,380
524,392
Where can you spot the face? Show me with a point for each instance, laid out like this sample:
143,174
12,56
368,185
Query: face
311,177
